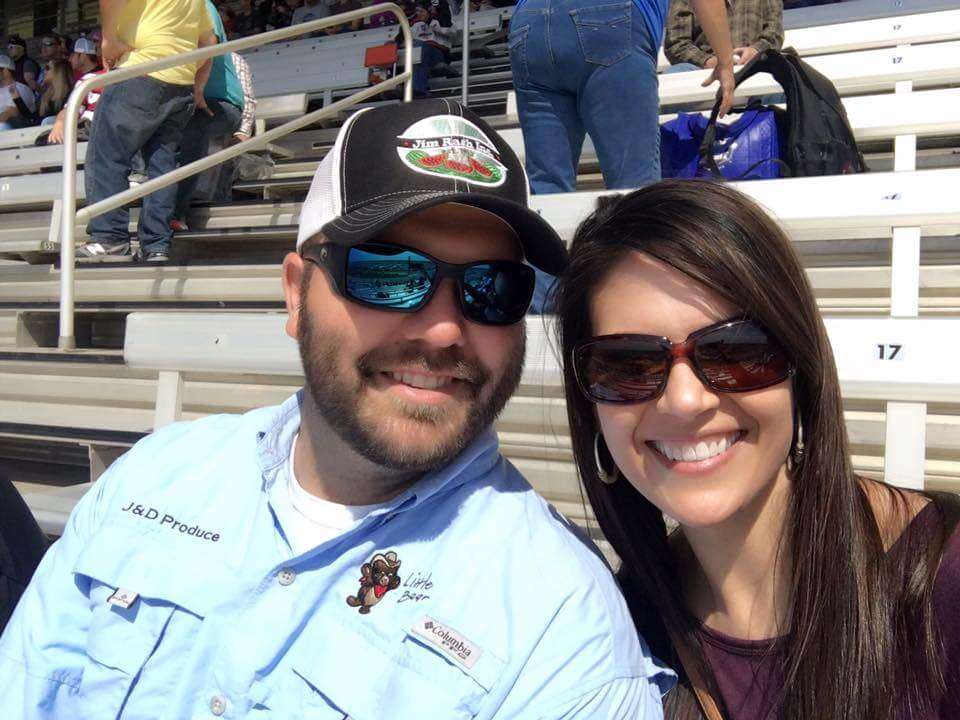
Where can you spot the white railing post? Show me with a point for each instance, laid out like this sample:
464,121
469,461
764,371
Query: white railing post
906,422
69,217
169,398
464,91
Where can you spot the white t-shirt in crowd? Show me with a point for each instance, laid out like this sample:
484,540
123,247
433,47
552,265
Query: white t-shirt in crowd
432,32
306,13
26,94
309,521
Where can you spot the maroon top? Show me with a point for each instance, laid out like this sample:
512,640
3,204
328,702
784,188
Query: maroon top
748,673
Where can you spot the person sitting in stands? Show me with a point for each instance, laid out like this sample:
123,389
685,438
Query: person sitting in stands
85,61
250,19
57,84
17,101
279,15
755,26
434,39
342,7
311,10
26,69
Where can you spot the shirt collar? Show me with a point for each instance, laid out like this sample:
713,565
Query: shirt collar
275,440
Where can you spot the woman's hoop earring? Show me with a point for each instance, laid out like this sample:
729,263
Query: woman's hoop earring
796,456
607,478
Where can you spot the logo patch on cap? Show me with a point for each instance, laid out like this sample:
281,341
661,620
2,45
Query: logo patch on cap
450,146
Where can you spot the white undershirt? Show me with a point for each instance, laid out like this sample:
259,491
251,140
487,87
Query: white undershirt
309,520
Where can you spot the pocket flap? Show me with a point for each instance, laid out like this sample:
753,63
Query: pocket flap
406,674
120,557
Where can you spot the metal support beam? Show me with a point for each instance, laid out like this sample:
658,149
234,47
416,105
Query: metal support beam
169,398
905,272
905,444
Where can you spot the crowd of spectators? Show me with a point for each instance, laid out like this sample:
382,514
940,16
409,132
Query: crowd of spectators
156,122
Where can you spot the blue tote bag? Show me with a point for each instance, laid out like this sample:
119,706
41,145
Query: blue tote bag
746,149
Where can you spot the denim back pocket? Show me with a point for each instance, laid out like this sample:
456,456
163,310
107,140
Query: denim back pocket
517,41
604,32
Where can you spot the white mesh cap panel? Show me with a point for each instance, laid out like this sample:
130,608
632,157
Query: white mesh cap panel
324,201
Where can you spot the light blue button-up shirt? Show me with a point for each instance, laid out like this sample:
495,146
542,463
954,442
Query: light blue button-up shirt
174,594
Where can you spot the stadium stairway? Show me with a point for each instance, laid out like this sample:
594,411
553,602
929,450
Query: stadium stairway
66,416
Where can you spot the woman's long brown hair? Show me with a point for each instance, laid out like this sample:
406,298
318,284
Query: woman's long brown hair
860,638
55,94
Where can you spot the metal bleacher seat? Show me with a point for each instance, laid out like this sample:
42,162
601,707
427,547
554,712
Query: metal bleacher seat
867,34
924,114
860,72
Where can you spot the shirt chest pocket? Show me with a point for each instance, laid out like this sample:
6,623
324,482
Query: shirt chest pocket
121,640
337,671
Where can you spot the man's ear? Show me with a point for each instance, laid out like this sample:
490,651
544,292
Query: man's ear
294,268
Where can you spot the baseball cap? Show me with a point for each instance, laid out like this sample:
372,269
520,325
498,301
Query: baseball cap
6,62
391,161
17,40
85,46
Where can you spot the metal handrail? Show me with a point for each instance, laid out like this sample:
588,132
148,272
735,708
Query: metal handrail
465,70
70,216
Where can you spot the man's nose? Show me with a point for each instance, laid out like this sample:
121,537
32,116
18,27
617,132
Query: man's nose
440,322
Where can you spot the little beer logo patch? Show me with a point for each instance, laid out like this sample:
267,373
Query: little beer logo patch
450,146
377,578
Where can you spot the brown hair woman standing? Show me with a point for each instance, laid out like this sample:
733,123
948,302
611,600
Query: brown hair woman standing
701,385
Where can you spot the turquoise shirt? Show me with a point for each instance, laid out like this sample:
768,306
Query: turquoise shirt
173,594
223,83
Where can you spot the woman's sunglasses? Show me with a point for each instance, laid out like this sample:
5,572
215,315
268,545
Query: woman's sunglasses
393,277
730,356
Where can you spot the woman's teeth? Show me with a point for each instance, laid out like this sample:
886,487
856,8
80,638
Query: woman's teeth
700,451
422,382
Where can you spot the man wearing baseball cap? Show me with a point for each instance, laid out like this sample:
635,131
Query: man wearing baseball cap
17,101
26,69
363,550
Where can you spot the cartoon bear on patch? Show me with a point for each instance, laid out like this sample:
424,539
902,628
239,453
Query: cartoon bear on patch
378,577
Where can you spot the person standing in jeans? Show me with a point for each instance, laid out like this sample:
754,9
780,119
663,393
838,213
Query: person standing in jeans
221,99
590,67
145,114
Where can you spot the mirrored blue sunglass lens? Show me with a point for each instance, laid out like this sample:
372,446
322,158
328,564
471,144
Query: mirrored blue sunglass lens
389,277
497,293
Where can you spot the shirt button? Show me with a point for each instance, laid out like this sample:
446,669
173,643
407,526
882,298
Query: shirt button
286,577
218,706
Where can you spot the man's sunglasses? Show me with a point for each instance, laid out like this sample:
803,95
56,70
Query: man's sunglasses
730,356
393,277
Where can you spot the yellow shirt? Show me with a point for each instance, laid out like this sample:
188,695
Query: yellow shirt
159,28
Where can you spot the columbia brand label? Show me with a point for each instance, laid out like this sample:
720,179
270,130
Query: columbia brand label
449,641
123,598
450,146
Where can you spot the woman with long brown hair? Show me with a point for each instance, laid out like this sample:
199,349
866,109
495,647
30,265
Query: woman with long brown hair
57,84
701,386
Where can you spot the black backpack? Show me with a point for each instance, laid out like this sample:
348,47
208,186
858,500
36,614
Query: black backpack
816,138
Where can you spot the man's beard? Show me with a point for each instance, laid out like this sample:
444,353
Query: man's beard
337,393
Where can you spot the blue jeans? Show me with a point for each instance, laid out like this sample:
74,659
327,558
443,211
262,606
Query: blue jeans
429,56
139,115
581,67
201,128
